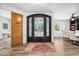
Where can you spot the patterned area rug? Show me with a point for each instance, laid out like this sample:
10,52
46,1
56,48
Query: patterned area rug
40,47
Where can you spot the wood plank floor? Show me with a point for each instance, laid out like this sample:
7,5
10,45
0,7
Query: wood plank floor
62,48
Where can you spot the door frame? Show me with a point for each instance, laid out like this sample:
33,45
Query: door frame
33,15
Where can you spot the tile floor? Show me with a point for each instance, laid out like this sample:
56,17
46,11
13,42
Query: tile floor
61,48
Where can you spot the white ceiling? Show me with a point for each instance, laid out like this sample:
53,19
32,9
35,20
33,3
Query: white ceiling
48,7
60,10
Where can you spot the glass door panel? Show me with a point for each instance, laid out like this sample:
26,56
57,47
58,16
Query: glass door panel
30,26
47,26
39,27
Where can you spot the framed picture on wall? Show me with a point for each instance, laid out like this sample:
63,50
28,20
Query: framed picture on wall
5,26
57,27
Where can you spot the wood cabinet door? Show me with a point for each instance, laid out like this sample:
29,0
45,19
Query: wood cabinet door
16,29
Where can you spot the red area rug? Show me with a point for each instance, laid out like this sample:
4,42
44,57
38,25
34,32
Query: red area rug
42,48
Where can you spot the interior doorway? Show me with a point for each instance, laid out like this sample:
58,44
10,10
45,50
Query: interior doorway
39,28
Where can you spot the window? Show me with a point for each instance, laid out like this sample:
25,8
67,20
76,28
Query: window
5,26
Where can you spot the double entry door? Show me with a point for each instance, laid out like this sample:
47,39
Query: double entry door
39,28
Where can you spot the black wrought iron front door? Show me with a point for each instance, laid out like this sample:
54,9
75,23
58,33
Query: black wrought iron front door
39,28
